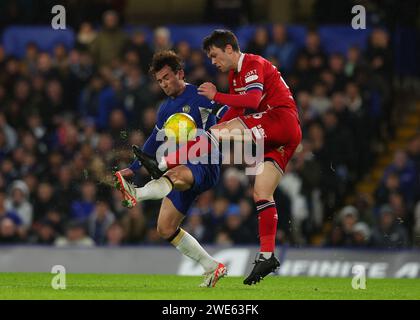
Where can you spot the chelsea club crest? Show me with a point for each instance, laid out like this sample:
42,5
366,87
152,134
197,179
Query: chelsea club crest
186,109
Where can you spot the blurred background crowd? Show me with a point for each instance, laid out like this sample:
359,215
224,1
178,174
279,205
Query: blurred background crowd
68,118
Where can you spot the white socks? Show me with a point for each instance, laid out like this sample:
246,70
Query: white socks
154,190
187,245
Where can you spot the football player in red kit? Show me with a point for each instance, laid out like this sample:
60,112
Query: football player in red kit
254,83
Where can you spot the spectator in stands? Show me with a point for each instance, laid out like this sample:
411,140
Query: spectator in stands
283,50
85,37
218,214
291,185
354,62
301,77
134,225
336,65
60,58
31,57
45,233
57,220
379,53
308,168
194,226
233,226
233,185
99,221
81,68
139,44
223,239
115,235
44,200
314,52
319,99
8,232
56,103
162,39
198,72
402,213
413,150
389,233
340,143
361,235
389,185
45,67
110,42
83,207
135,96
7,213
408,175
342,231
18,202
75,236
8,136
247,214
258,44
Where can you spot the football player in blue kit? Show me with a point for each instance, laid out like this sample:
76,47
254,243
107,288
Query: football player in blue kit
182,185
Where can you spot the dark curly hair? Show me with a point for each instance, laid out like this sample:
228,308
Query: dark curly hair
166,58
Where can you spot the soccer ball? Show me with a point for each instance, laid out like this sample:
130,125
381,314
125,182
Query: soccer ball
180,127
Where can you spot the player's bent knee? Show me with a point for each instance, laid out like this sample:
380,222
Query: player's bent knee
258,196
165,231
181,177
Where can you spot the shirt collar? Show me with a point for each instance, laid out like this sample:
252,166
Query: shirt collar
241,59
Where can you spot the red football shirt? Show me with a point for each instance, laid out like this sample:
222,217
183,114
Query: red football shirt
256,73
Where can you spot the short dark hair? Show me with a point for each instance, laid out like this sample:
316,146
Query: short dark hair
166,58
220,38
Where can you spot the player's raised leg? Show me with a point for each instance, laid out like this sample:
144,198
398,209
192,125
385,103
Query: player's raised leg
265,185
179,178
168,228
202,145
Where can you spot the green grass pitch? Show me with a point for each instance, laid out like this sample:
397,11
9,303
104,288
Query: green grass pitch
172,287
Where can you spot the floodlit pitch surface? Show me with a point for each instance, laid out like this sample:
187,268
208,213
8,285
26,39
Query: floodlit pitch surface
167,287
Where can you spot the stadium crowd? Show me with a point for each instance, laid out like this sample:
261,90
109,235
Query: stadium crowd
68,119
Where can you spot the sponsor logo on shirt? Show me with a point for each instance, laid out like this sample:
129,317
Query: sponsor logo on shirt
251,78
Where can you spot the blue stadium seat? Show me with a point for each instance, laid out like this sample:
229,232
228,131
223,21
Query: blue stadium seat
16,38
338,39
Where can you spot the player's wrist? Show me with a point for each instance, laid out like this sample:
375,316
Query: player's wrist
216,97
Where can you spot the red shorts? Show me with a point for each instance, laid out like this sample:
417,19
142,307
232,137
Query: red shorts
281,130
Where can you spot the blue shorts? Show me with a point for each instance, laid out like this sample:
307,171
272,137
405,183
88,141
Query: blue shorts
205,176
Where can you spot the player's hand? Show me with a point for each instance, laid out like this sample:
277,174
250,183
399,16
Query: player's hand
208,90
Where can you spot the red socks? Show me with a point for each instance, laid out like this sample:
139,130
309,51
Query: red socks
267,224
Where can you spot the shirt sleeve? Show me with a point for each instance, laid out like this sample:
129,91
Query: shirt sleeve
250,99
254,87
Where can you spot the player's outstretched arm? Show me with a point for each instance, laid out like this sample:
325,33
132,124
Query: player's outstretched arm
251,99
